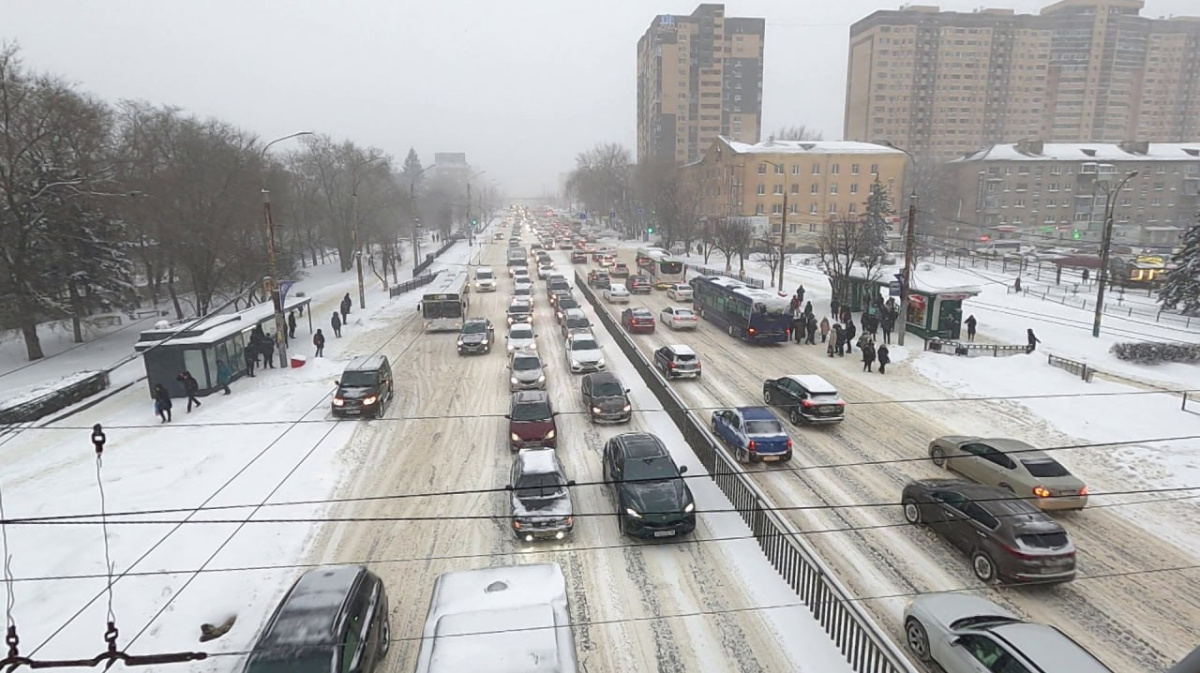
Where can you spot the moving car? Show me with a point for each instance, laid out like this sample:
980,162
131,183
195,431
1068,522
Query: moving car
583,353
754,434
485,279
966,634
526,372
651,497
544,270
607,260
522,288
574,318
558,283
808,398
564,303
620,270
1012,465
579,257
331,618
679,318
539,497
598,278
640,284
680,292
638,320
520,309
555,295
617,293
677,361
531,421
606,400
365,388
521,337
1005,537
520,273
477,336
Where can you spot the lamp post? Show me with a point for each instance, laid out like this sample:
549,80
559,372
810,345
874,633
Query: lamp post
1105,249
412,200
471,227
910,246
272,280
782,223
362,292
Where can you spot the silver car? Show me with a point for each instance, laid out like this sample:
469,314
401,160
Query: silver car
967,634
521,337
584,354
1013,465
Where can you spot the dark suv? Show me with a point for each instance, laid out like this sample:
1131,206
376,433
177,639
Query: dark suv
606,400
477,336
531,421
1006,537
332,619
365,388
808,398
651,498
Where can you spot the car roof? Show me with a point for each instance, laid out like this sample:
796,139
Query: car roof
1049,648
813,383
366,363
527,354
311,609
997,501
538,461
530,396
574,313
757,414
1006,445
472,321
639,309
642,445
520,326
681,349
484,268
520,300
602,377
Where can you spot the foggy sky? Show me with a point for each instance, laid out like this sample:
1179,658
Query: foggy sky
521,86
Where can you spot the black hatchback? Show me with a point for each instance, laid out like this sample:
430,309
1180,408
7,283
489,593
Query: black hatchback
808,398
332,619
651,497
606,400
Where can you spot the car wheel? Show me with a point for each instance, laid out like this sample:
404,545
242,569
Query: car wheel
938,456
912,512
917,638
385,642
767,399
731,330
794,416
984,566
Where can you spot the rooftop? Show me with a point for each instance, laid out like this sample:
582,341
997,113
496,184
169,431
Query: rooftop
1085,152
808,147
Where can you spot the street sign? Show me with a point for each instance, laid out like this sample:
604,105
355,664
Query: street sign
641,211
612,214
894,288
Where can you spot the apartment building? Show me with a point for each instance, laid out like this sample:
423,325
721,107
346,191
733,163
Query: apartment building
813,182
945,83
1057,193
698,77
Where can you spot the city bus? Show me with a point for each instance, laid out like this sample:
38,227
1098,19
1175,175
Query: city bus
748,313
663,269
444,311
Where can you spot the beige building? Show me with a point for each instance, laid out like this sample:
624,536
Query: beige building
947,83
698,77
813,182
1055,194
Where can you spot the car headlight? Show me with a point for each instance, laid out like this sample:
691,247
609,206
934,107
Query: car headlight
515,437
575,363
370,400
542,378
532,346
337,402
633,513
626,408
597,410
460,343
549,435
600,362
691,506
483,343
514,381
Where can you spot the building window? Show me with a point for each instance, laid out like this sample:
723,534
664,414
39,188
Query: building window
762,169
854,188
816,169
778,169
793,209
874,169
833,209
758,210
853,169
795,188
853,208
833,188
778,190
812,209
795,169
776,209
762,189
836,169
814,189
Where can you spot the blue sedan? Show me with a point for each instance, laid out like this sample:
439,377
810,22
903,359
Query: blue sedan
754,434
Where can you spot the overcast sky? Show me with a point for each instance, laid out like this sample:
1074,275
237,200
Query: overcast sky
521,86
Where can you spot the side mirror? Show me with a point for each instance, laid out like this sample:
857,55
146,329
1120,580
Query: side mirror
683,469
536,336
337,382
626,391
508,416
570,482
555,413
508,487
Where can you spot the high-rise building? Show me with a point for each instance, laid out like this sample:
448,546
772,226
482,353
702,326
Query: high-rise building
948,83
699,76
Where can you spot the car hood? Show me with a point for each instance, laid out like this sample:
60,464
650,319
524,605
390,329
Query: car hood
526,374
586,355
355,392
656,497
520,343
556,507
615,403
531,429
945,609
473,338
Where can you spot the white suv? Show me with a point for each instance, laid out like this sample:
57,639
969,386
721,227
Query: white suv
485,279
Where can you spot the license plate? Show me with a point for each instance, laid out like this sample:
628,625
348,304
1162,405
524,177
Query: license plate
770,459
352,412
828,410
664,533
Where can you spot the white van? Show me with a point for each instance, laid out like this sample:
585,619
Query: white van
485,279
514,618
1005,249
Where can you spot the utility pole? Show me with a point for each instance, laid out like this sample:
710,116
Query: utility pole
362,293
412,200
910,246
470,229
1110,205
272,267
782,237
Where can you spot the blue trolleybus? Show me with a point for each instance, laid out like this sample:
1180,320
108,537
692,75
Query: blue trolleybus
748,313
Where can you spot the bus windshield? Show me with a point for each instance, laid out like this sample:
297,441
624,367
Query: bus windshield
441,308
671,267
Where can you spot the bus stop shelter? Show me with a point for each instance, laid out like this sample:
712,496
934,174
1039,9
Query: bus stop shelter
932,312
195,345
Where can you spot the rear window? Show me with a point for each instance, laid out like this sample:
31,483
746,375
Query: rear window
763,428
825,398
1045,467
1044,540
685,357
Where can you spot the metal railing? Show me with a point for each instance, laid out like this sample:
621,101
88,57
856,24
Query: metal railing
860,640
423,279
432,256
1081,369
973,350
704,270
54,400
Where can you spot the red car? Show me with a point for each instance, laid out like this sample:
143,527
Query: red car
579,258
639,284
531,421
638,320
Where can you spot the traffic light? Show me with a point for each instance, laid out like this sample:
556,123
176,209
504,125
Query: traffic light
650,229
474,222
1076,235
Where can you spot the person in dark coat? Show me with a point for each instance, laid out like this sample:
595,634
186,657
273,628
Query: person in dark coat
258,339
346,305
971,323
833,308
888,324
868,354
224,374
824,329
800,293
795,304
797,333
1017,285
811,327
190,386
1033,340
292,325
336,322
808,309
883,356
250,357
268,351
839,338
850,332
162,402
319,342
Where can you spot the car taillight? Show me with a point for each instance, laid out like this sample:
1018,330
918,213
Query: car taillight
1041,491
1083,491
807,403
789,442
672,365
752,330
752,447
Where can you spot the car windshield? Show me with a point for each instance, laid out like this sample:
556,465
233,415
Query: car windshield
483,275
1045,467
568,302
531,411
683,288
660,467
519,308
608,389
519,333
359,379
474,328
526,364
763,428
544,485
291,660
683,313
577,322
584,345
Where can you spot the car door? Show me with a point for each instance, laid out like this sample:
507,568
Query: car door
978,653
724,426
737,430
970,461
998,468
951,522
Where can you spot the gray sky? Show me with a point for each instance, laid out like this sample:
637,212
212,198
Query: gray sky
521,86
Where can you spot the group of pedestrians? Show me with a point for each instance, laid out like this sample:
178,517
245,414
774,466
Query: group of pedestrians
839,334
340,319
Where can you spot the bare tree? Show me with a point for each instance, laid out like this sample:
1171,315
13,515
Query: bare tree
797,132
731,236
847,244
601,179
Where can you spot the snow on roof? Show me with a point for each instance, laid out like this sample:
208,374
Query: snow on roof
1085,152
515,640
681,349
538,461
809,147
215,327
814,384
771,300
886,274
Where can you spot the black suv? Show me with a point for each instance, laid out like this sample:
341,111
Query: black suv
651,498
332,619
477,336
365,388
807,397
1007,538
606,400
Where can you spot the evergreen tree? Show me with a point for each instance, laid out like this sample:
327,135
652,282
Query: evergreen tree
1181,289
412,167
877,219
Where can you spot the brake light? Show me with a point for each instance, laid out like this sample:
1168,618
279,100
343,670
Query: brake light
807,403
752,447
752,330
1083,491
1041,491
789,442
672,365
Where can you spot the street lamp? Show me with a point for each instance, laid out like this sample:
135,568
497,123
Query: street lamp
1110,205
783,221
910,245
470,226
272,281
362,292
412,200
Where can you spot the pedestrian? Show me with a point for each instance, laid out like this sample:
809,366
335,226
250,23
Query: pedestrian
833,308
162,403
868,354
268,351
1033,340
337,325
1017,285
888,324
795,304
800,293
797,327
292,325
808,309
846,315
250,356
829,347
851,331
1086,274
839,338
319,342
811,328
346,305
224,374
883,356
190,387
971,323
824,329
258,339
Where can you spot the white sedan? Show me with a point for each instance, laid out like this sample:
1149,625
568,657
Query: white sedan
544,270
617,294
679,318
521,336
680,292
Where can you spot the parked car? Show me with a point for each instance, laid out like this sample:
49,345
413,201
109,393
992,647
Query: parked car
617,293
651,497
574,318
563,304
365,388
331,618
966,634
521,337
520,309
640,284
526,371
1006,538
539,496
754,434
620,270
638,320
1014,466
598,278
477,336
485,279
531,420
677,361
680,292
583,353
605,398
679,318
579,257
808,398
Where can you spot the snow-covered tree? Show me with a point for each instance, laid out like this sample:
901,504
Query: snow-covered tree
879,213
1181,289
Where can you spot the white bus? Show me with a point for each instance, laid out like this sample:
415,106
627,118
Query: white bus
663,269
444,311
